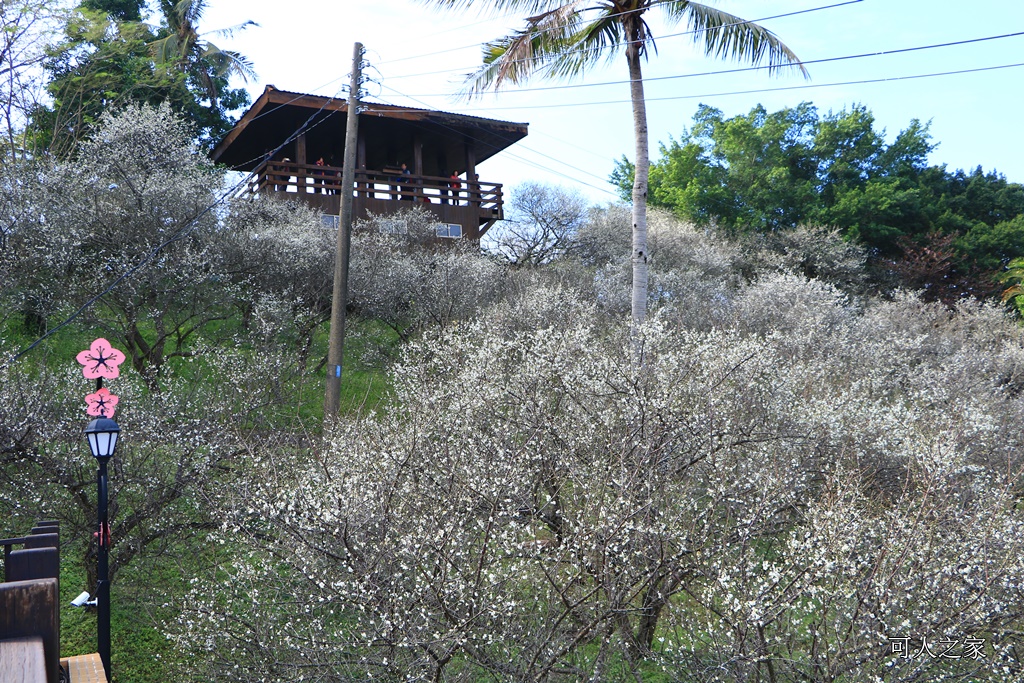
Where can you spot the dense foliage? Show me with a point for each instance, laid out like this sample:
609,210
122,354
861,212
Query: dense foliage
110,57
763,172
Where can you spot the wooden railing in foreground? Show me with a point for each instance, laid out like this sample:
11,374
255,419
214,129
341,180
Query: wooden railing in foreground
30,609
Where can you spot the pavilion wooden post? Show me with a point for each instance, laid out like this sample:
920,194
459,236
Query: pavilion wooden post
300,159
417,164
472,184
335,351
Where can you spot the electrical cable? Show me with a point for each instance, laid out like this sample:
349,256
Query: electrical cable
751,92
823,60
602,157
520,158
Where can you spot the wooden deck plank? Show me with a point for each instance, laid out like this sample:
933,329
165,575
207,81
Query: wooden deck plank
29,608
22,660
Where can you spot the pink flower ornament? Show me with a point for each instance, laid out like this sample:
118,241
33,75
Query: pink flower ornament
101,404
100,360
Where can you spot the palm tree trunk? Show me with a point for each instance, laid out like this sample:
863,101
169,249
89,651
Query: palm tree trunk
636,93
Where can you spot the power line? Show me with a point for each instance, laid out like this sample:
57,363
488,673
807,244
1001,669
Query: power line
603,157
744,69
518,157
473,45
756,91
452,30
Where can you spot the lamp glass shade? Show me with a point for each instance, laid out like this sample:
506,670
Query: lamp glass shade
102,434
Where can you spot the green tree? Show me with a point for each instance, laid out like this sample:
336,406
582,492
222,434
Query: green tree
184,48
107,60
562,39
993,247
119,10
100,63
767,171
945,232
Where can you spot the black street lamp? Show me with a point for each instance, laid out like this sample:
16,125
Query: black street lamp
102,434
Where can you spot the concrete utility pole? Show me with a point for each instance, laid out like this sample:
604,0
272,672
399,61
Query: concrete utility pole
335,352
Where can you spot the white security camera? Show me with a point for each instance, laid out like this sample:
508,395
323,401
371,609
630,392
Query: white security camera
81,601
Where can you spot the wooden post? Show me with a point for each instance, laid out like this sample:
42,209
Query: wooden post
417,164
300,159
300,149
335,351
417,154
472,186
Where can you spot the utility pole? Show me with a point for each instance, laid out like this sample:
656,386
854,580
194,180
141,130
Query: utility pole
335,352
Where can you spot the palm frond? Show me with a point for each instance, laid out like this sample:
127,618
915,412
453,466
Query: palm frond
726,36
561,42
595,41
189,12
226,62
165,50
230,31
497,7
514,58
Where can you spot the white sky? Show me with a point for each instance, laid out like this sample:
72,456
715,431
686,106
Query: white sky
419,54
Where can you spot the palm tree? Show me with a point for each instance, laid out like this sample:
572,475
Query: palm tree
185,48
563,38
1014,273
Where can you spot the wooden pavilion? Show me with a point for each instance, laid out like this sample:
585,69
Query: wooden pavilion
431,144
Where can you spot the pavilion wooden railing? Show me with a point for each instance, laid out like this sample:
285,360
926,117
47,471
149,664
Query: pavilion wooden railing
389,184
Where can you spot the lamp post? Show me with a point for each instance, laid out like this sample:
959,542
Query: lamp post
102,434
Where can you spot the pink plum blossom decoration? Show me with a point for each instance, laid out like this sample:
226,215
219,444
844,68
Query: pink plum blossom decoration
101,404
100,360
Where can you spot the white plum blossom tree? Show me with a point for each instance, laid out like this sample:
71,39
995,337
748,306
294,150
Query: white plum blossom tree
179,447
540,225
755,503
402,277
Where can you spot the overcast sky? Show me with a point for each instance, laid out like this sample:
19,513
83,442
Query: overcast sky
418,56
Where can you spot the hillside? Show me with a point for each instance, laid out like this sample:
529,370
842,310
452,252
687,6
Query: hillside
792,471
